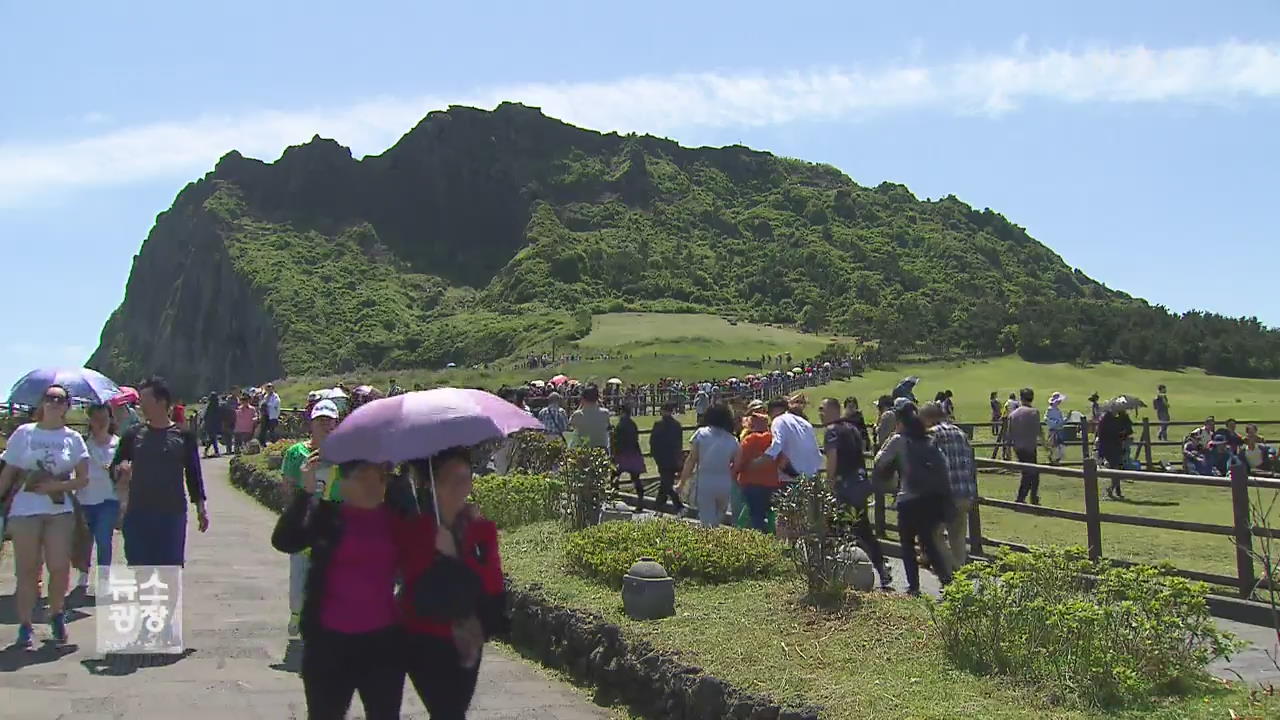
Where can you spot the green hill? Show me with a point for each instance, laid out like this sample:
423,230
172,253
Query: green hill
483,234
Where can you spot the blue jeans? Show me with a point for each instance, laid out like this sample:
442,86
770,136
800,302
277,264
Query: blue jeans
757,498
102,525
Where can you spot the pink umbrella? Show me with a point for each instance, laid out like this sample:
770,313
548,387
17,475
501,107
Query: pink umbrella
559,379
126,396
421,424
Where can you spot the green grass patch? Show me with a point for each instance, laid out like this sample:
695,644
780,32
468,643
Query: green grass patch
878,659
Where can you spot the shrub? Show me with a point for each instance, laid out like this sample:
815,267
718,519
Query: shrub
1089,633
278,447
713,555
585,473
514,500
536,453
807,515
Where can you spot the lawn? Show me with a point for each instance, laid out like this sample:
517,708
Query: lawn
876,660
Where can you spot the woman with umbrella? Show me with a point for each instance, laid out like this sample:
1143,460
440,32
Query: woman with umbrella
1114,430
452,598
48,461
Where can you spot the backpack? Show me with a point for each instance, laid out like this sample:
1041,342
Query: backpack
926,468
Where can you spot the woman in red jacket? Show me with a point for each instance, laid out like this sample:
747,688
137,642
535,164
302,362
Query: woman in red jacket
454,596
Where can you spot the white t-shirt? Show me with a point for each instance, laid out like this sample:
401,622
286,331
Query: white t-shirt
58,451
794,437
273,407
100,488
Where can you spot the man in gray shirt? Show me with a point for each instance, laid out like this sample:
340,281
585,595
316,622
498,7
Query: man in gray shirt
1026,435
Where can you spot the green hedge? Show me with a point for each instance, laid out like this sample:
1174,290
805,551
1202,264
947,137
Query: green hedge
514,500
688,551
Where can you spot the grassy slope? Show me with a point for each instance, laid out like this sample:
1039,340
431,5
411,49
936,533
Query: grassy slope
875,661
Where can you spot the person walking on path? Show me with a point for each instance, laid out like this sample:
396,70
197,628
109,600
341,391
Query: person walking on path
591,421
48,462
666,445
846,465
795,444
995,415
924,499
1161,405
963,477
1114,430
1026,435
348,618
627,457
757,483
1056,423
212,424
246,418
553,417
887,425
709,466
269,416
324,417
98,499
152,461
454,596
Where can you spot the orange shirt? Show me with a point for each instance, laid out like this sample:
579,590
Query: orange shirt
753,446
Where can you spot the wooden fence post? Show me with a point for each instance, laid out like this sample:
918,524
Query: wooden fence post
1084,439
1146,440
878,514
1091,509
1243,529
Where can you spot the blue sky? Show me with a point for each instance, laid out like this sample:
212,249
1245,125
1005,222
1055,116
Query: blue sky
1136,139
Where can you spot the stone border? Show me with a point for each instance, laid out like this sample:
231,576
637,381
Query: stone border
593,651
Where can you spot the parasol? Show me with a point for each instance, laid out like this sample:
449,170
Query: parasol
126,396
83,384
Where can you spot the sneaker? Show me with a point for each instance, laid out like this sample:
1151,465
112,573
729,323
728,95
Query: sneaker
58,627
25,637
295,624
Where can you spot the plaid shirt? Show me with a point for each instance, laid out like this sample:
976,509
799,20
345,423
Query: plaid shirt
954,445
554,419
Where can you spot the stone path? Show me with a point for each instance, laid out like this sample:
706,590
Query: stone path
240,662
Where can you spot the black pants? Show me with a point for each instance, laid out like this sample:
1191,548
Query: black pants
1113,457
918,519
1030,478
437,674
667,489
268,432
335,666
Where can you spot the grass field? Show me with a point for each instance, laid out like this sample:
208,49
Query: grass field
877,660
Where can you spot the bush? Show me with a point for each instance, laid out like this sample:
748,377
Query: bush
688,551
807,515
1090,634
585,473
514,500
278,447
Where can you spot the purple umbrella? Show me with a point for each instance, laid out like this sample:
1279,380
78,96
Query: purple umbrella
83,384
421,424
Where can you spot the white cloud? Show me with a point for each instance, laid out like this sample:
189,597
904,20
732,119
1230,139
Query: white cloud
986,85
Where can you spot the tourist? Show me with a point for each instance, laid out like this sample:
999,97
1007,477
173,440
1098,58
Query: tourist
553,417
152,461
996,415
1056,423
795,445
591,421
1095,412
887,425
627,457
246,418
1161,406
269,414
454,598
47,461
949,405
853,416
212,424
962,475
846,467
228,422
924,499
666,445
1204,434
1025,436
1234,441
125,416
393,388
98,499
709,466
324,418
1254,452
757,483
348,617
1114,430
1194,460
701,401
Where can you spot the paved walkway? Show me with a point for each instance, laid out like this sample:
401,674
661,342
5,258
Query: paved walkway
239,663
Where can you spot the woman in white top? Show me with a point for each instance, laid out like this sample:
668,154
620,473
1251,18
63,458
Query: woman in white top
98,498
40,458
711,453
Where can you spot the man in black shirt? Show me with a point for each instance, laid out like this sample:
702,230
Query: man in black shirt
151,462
846,467
666,445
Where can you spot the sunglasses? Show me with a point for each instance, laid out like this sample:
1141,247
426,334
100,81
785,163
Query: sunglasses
56,399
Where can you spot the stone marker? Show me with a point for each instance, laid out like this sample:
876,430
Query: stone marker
648,593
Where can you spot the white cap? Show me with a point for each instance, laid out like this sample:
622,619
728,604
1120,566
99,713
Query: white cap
325,408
